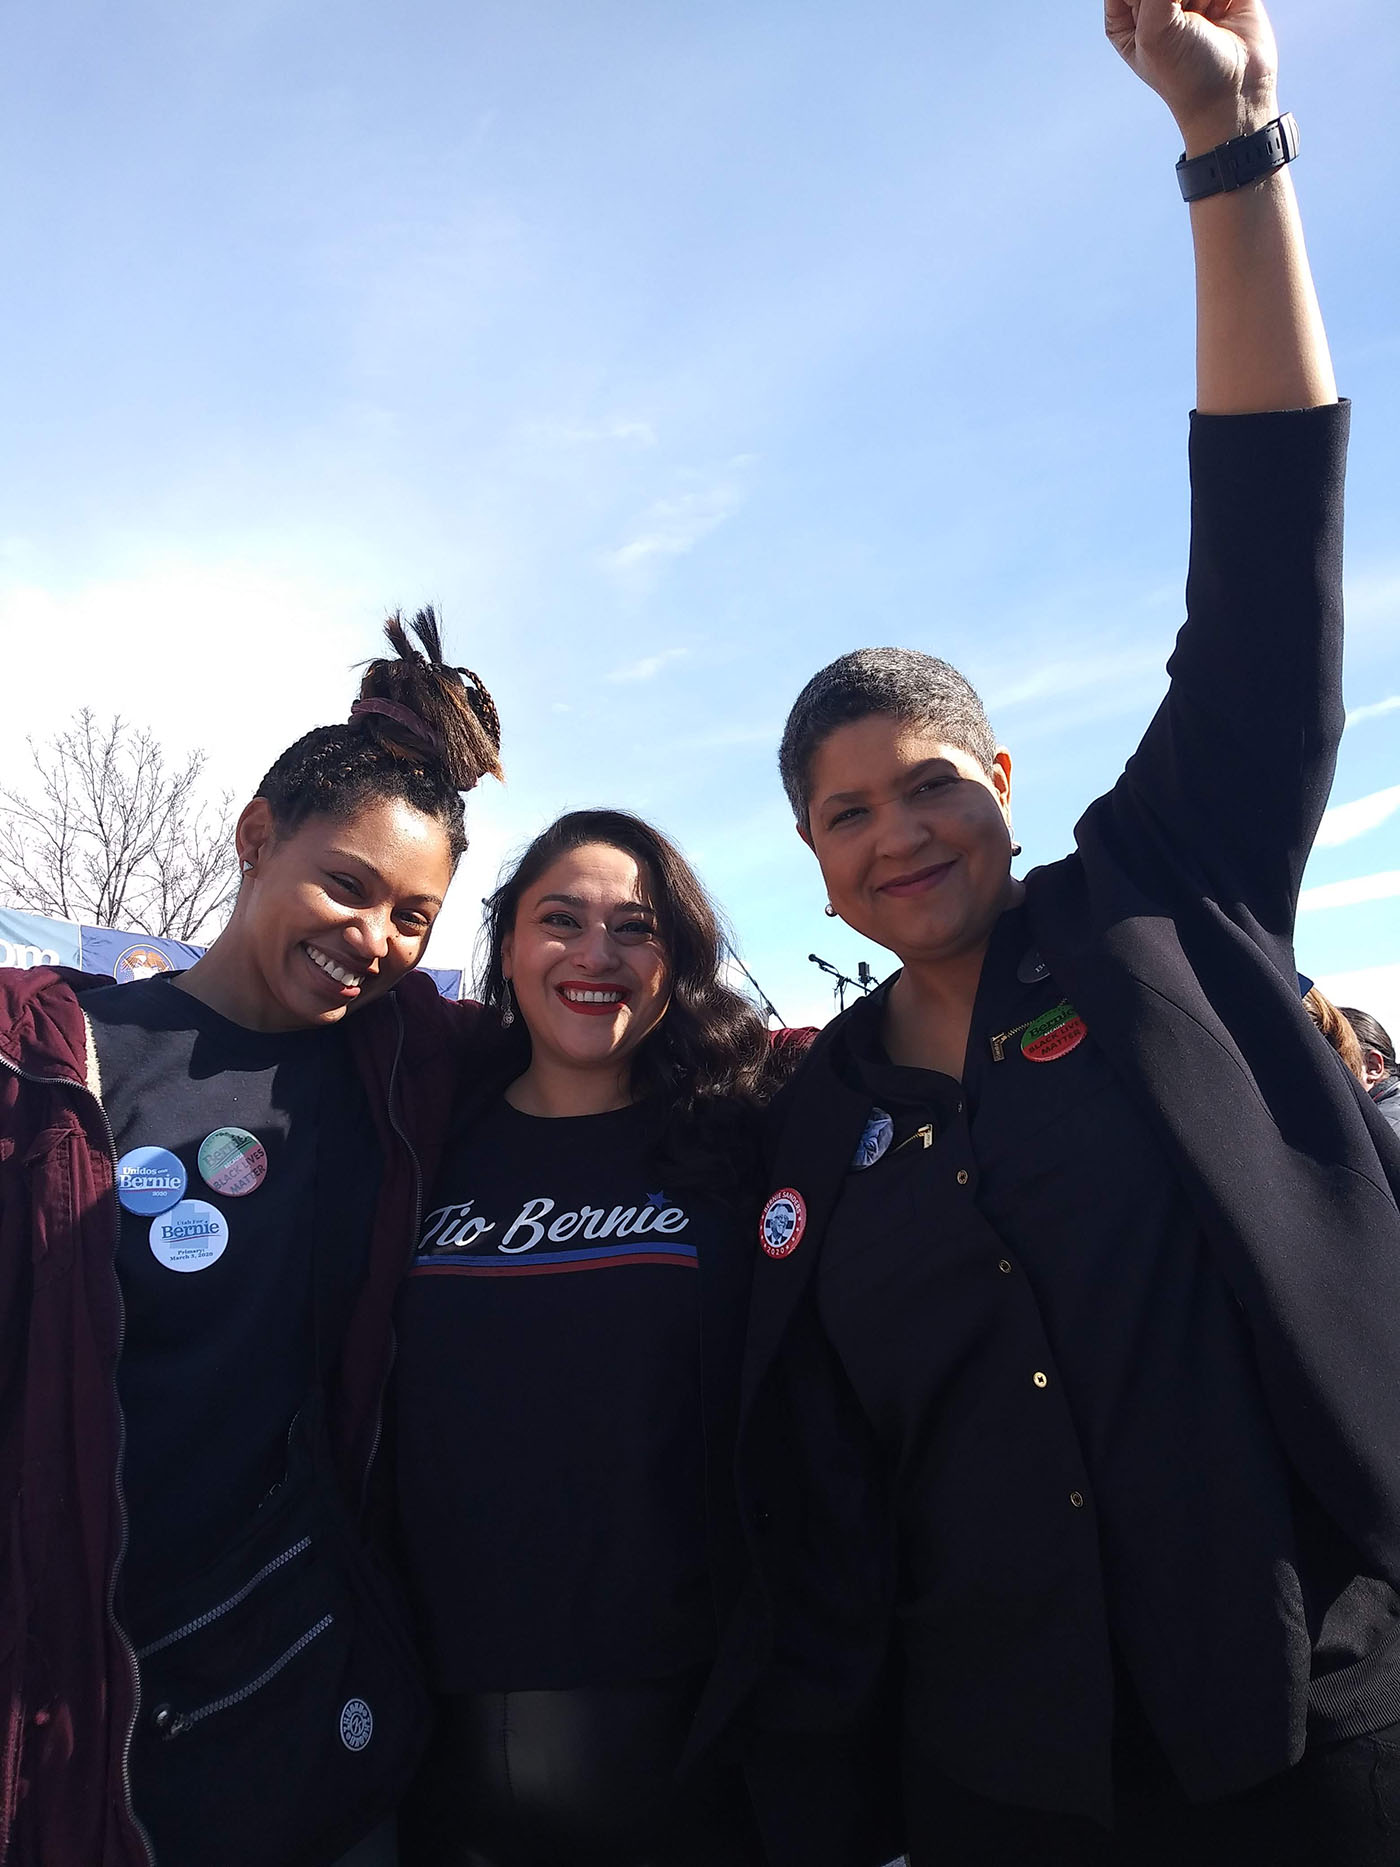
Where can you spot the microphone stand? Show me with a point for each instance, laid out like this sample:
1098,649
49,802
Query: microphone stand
844,983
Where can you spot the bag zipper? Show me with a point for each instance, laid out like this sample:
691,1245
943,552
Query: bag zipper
171,1723
119,1490
212,1614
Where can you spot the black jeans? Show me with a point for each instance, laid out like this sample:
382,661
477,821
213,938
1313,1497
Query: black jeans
580,1778
1339,1807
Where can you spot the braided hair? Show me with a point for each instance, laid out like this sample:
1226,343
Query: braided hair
421,731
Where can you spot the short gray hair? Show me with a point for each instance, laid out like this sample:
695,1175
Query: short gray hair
901,682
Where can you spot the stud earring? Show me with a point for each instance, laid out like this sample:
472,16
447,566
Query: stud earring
829,911
508,1009
247,868
1015,849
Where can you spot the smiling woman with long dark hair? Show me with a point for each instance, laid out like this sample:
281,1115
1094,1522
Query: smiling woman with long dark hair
568,1371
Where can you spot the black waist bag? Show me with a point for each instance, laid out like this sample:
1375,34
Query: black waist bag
283,1709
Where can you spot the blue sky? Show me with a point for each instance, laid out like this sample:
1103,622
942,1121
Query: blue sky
673,350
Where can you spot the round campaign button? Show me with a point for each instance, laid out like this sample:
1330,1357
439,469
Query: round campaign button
150,1180
233,1162
190,1237
783,1223
1054,1034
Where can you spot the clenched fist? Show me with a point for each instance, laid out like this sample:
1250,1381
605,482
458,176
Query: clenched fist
1214,62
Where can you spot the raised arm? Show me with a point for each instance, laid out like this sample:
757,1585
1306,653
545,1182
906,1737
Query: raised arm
1260,344
1221,801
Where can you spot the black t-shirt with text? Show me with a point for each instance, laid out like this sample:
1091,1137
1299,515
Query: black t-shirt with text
217,1354
550,1439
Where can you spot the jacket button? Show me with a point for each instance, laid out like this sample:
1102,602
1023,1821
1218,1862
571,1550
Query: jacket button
962,1176
1005,1267
1041,1380
1077,1499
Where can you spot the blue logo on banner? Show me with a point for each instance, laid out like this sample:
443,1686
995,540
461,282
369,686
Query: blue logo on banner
129,956
140,962
150,1180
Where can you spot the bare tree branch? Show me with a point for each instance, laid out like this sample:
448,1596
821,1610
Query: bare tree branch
111,835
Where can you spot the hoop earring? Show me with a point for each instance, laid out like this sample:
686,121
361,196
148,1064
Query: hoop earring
829,911
508,1009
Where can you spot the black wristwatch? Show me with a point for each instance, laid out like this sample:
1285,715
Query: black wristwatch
1244,159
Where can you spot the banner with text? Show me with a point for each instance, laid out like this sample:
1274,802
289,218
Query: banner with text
32,940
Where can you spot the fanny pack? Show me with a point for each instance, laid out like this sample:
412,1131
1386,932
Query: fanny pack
283,1709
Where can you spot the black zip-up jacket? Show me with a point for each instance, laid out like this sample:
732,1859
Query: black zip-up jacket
1170,929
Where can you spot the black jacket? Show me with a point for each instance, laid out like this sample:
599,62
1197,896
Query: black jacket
1170,929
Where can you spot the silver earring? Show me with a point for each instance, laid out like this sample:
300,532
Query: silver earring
247,868
829,911
1015,849
508,1009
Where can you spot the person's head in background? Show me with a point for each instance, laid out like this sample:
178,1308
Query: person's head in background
1335,1028
347,849
1378,1065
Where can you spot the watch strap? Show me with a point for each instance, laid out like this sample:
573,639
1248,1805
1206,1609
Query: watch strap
1244,159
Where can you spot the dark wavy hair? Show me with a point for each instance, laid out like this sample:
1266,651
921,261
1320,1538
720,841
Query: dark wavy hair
451,741
709,1064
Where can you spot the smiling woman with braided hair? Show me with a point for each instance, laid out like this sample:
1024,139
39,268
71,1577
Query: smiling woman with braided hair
209,1186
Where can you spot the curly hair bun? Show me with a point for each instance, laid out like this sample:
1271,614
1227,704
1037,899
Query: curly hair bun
463,728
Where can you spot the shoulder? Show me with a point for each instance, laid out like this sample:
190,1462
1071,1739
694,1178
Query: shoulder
42,1029
430,1019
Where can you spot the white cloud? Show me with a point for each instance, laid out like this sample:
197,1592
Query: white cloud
670,528
220,655
1127,670
619,428
1382,886
649,666
1374,710
1343,823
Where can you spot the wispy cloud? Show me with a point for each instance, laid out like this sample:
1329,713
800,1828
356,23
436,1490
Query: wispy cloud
670,528
580,433
1345,822
648,667
1383,886
1373,710
1127,669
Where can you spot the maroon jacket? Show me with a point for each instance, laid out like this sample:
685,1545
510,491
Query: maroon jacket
67,1676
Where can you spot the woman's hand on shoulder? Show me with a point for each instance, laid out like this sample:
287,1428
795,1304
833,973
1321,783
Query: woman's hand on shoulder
1213,62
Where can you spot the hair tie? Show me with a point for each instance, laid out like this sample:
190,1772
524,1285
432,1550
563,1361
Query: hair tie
402,716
